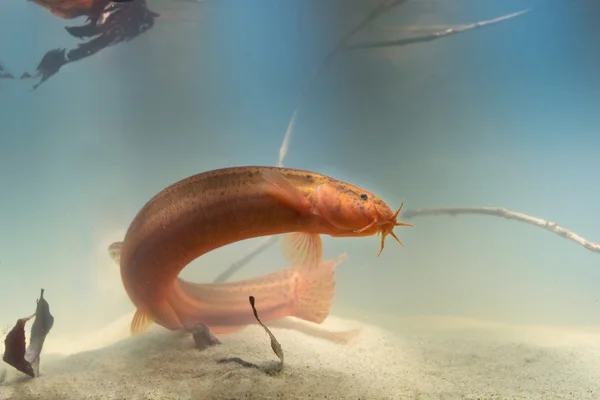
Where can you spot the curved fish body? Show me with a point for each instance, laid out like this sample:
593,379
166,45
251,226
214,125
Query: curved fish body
298,291
216,208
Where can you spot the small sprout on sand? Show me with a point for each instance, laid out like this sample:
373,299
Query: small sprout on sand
274,343
15,354
269,369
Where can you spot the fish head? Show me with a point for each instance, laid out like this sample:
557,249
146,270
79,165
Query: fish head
356,212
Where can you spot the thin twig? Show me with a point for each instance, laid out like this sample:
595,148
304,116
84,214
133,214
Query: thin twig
433,36
415,28
382,8
505,213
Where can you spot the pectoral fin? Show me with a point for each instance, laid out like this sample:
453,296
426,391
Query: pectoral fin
302,249
140,323
286,192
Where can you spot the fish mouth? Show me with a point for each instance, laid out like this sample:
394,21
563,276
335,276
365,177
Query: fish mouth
387,228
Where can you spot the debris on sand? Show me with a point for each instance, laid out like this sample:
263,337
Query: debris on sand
16,355
4,74
203,337
270,368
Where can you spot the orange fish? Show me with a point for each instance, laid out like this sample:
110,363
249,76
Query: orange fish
300,291
216,208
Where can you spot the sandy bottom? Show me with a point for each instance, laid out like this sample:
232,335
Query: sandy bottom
426,358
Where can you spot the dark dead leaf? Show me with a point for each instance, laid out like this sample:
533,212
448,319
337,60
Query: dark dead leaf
15,353
14,348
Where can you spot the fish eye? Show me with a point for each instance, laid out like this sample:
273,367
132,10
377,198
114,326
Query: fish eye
364,196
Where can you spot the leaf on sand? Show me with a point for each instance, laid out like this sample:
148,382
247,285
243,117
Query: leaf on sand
15,354
14,348
270,369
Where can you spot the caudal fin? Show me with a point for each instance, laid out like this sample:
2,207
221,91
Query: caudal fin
315,289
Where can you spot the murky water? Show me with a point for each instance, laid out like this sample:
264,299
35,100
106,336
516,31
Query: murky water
502,115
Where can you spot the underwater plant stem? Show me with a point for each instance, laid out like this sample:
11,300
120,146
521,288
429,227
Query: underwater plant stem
270,368
380,9
436,35
505,213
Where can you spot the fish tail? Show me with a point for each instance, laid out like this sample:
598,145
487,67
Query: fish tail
302,291
314,290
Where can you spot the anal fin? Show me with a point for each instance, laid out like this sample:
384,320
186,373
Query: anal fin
140,323
301,249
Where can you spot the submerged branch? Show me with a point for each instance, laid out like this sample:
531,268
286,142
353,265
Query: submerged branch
505,213
434,36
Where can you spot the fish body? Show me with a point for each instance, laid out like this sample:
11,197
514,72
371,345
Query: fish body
212,209
298,291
